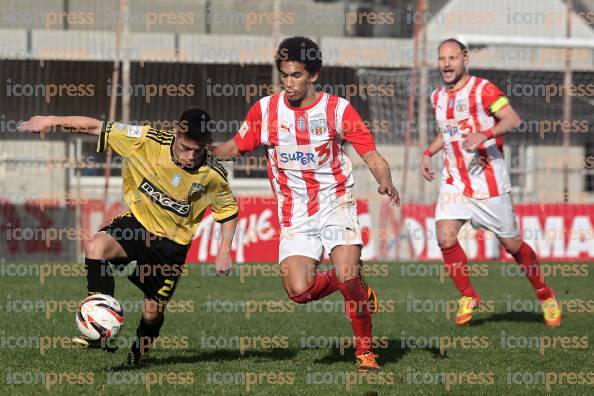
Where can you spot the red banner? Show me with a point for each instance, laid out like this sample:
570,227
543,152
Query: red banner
555,231
256,238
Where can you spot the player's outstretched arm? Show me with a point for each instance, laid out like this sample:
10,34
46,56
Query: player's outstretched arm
223,261
380,169
228,149
80,124
435,146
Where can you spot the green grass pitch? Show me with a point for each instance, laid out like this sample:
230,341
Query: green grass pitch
241,335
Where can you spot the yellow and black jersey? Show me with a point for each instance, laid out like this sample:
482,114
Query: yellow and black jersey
167,200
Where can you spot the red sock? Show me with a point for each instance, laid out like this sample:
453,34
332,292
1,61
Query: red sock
357,310
324,283
455,261
529,263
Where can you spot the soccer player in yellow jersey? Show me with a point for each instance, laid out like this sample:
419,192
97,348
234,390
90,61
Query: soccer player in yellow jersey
169,181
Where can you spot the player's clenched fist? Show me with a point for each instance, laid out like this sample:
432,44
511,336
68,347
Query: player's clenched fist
391,192
223,264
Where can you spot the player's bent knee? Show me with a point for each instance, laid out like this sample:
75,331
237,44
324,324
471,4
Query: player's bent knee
301,298
299,293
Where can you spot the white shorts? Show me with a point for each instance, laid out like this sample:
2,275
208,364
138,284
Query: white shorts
328,228
495,214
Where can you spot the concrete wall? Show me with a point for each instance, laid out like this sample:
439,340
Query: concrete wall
180,16
254,17
32,177
526,18
294,17
416,189
29,14
545,175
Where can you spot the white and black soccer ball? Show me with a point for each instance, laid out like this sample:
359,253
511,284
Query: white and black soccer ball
100,317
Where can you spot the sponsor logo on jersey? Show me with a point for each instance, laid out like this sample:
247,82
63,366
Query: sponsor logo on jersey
300,157
317,127
163,200
451,130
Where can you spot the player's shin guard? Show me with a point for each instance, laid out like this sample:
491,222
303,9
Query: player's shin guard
99,277
325,283
357,310
526,258
146,333
456,263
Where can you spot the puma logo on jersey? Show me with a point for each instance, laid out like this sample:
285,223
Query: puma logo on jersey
163,200
286,126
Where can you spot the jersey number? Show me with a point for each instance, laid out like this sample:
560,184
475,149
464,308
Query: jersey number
465,127
164,291
323,153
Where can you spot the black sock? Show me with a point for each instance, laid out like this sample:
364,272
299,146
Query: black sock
99,277
146,334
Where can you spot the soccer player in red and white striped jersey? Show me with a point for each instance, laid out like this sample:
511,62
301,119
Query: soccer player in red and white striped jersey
473,115
303,132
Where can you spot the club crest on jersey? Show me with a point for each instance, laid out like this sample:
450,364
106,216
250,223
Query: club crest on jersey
175,180
300,123
196,188
317,127
460,106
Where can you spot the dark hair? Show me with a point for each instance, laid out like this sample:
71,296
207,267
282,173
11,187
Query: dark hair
194,123
299,49
453,40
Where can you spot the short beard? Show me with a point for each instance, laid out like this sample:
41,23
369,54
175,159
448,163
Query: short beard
296,102
457,79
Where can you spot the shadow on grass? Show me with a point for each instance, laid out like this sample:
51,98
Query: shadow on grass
219,355
522,317
396,349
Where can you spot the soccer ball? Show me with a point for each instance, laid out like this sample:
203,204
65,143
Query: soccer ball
100,316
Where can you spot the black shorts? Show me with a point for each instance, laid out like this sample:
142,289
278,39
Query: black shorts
159,261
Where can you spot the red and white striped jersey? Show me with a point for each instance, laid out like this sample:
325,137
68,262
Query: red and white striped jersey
481,173
307,166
